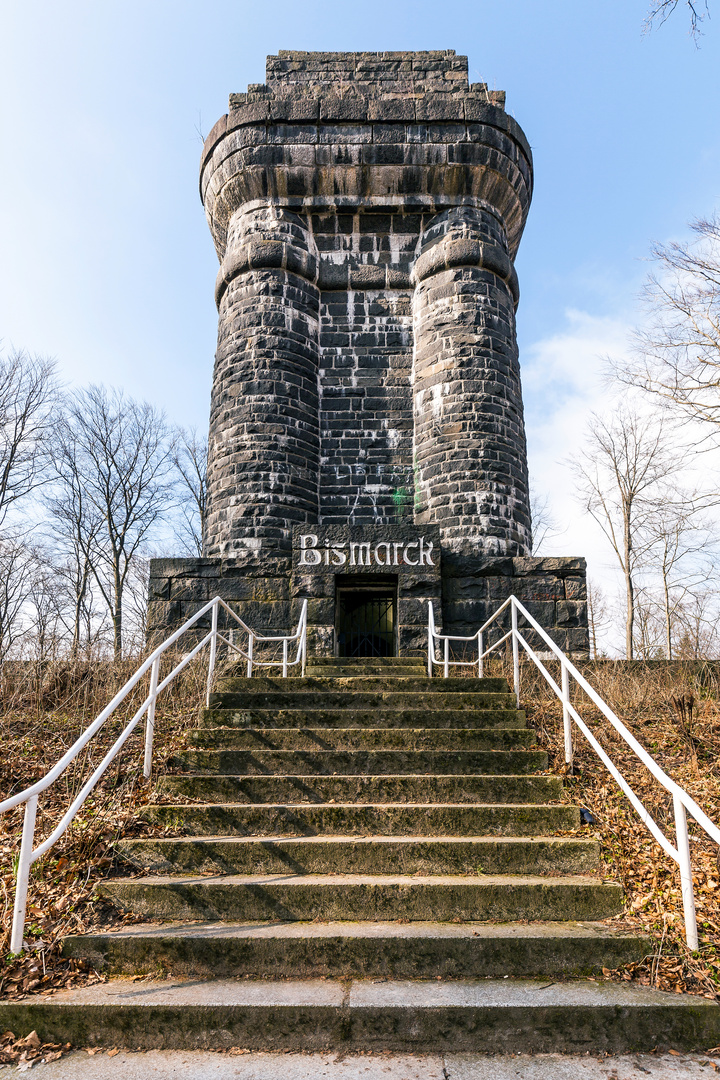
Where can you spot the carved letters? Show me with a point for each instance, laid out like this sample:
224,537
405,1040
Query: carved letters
353,553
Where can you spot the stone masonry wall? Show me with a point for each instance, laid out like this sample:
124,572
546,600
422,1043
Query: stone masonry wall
465,587
332,191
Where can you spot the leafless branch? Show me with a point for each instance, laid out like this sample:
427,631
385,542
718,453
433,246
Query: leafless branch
661,10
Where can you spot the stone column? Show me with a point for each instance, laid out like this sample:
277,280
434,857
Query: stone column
264,421
470,456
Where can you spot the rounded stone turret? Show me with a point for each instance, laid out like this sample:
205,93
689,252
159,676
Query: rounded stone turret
470,454
264,438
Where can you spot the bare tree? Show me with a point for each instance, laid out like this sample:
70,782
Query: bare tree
189,456
625,460
679,548
598,616
699,638
76,526
661,10
47,599
544,523
648,626
136,602
28,400
677,352
16,579
121,476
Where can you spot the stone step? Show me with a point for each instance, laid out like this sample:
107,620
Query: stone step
360,949
361,662
362,738
367,762
341,669
375,855
244,1064
351,819
344,717
364,789
472,1015
364,684
345,896
362,699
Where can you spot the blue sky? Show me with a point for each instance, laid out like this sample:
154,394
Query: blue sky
106,262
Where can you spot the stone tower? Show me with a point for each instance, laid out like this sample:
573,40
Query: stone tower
366,209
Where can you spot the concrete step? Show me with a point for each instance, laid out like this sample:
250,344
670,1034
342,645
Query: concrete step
363,738
343,896
367,762
360,683
365,1065
360,949
340,669
361,662
363,855
364,789
351,819
493,1016
362,699
352,717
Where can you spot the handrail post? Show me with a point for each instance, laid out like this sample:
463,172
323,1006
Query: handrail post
567,721
150,718
303,663
285,654
431,643
516,652
23,874
250,654
481,659
213,652
446,659
686,881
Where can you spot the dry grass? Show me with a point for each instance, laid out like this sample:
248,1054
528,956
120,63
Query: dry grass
673,712
42,714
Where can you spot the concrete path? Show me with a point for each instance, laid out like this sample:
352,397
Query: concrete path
200,1065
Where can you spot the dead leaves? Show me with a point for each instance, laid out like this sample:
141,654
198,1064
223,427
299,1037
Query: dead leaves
677,721
62,898
28,1051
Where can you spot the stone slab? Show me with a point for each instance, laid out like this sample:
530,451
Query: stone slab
364,896
486,1015
359,949
333,1065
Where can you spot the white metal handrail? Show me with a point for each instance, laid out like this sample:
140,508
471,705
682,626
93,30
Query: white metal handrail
31,795
682,802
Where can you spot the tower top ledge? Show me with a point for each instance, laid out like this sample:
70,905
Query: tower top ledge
385,75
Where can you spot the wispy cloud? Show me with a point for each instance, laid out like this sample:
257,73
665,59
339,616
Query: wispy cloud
563,383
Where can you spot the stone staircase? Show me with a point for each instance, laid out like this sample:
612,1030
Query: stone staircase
373,860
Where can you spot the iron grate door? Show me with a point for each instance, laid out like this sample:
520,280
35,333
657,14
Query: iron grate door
366,624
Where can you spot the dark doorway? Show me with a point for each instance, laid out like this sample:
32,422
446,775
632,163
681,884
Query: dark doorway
366,623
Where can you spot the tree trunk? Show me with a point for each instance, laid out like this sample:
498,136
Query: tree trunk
668,636
117,618
591,626
629,615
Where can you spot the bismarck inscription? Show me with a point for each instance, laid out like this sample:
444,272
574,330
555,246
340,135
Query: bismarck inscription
352,553
405,558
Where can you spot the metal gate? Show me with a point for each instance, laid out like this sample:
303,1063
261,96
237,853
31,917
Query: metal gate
365,624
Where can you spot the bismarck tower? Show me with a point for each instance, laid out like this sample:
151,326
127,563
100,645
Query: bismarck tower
367,444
